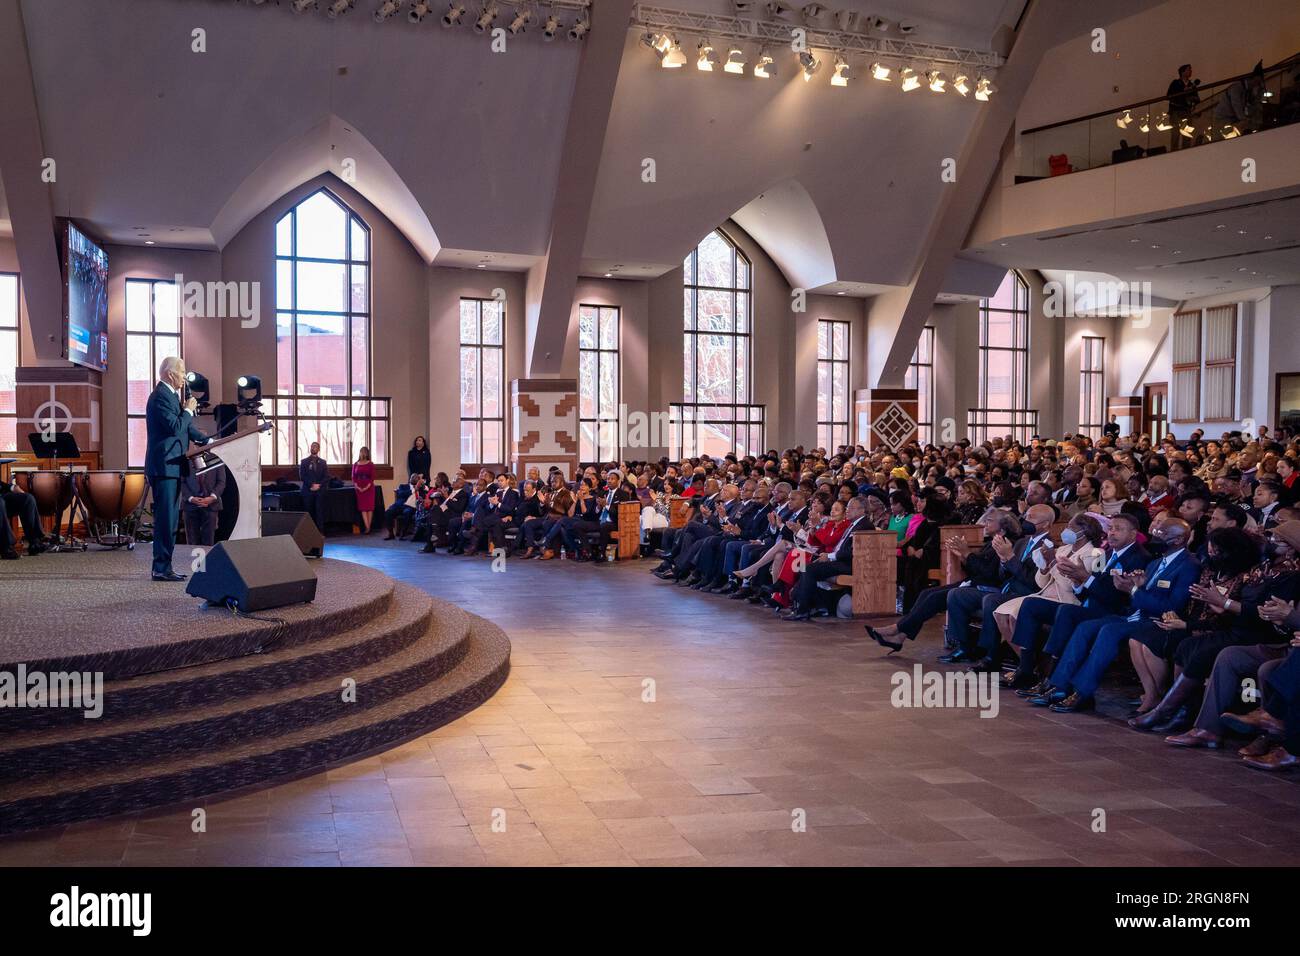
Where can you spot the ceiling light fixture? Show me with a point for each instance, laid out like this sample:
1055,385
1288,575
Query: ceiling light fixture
984,88
1163,124
841,74
910,80
302,6
419,11
735,61
455,11
674,59
707,58
520,22
486,18
387,9
809,63
580,26
1145,124
765,68
339,7
961,83
936,80
846,20
1186,129
880,72
1124,121
552,27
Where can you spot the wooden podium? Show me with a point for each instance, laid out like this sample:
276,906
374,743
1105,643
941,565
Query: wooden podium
241,453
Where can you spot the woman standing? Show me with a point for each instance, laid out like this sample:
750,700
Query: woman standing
419,459
363,477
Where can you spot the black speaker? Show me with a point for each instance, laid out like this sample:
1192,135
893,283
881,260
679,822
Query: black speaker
255,573
297,525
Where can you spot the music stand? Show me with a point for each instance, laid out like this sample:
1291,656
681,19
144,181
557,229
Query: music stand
62,445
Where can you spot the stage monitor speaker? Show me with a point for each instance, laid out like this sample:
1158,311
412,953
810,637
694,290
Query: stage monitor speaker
256,574
297,525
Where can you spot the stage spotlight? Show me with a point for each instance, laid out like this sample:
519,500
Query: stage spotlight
841,74
812,11
550,27
961,83
910,80
707,57
741,5
1187,129
520,21
419,11
1163,124
765,68
302,6
846,20
1124,121
248,391
199,387
455,11
936,81
984,88
486,18
674,59
735,61
776,8
906,28
809,63
339,7
387,9
880,72
580,26
1144,124
658,42
1230,132
880,24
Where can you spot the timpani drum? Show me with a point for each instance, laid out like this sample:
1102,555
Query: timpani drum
112,500
51,489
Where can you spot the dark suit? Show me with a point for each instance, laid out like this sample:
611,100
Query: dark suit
1097,642
14,501
1016,575
312,470
169,430
839,562
201,521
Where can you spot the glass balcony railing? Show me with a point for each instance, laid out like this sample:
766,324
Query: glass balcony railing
1229,108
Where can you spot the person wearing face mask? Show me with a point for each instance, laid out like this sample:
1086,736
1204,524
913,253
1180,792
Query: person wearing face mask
1165,585
1248,618
1096,597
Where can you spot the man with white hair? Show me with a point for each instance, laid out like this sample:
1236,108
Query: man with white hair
169,424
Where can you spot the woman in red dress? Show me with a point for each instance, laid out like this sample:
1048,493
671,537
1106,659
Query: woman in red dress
824,539
363,476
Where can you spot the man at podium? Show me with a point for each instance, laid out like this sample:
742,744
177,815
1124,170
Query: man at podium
169,423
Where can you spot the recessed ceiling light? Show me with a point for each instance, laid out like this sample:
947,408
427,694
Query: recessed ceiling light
1155,246
148,242
1135,240
1241,232
1268,237
1178,252
482,265
1220,226
609,275
839,293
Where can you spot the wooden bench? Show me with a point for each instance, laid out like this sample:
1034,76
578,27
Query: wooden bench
873,582
973,535
679,512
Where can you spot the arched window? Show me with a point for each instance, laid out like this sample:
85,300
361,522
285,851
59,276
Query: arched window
716,416
322,333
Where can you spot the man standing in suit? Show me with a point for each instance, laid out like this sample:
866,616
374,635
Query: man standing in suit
315,476
202,505
170,428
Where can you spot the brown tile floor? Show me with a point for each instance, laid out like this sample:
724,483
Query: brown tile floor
754,723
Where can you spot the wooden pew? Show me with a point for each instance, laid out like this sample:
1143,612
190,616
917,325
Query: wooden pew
974,537
679,512
875,573
628,534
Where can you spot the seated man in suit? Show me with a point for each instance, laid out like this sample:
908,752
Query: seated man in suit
201,495
983,573
1016,573
748,525
315,476
399,515
461,525
496,511
1098,597
698,533
15,501
829,565
1165,585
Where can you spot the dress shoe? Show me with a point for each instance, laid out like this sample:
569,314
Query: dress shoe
1049,698
797,615
1279,758
1038,690
1074,704
547,555
726,587
985,665
1257,747
1176,722
755,599
1258,721
8,554
1019,681
883,641
1196,737
685,580
36,547
741,594
169,576
666,575
959,656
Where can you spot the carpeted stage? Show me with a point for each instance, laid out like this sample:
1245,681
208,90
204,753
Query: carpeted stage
199,700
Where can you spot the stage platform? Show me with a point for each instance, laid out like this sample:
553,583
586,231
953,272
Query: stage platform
199,700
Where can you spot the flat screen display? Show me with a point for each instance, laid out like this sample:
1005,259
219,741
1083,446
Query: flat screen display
85,267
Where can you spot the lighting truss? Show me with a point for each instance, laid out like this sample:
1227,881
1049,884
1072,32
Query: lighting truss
778,32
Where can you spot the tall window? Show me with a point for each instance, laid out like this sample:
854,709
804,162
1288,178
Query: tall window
153,332
920,376
715,417
8,361
482,372
832,384
1004,364
1092,386
322,290
598,383
1220,363
1186,362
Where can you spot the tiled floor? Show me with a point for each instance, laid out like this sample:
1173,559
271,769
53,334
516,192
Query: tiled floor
644,724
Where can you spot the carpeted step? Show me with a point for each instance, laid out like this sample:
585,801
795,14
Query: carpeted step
436,644
280,665
74,795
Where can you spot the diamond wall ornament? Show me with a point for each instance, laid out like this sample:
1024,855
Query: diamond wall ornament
894,426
